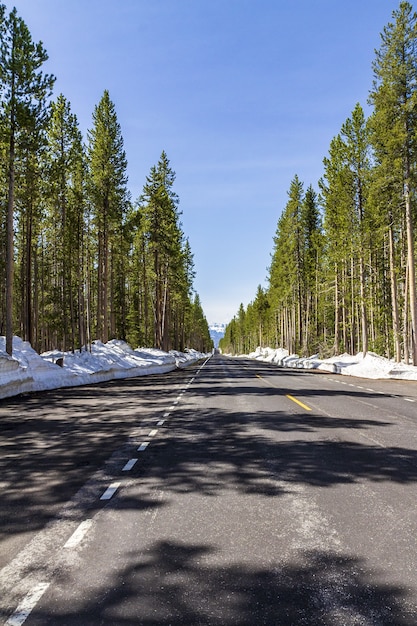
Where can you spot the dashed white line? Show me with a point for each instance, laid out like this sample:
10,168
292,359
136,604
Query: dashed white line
78,535
153,432
409,400
166,414
160,423
143,446
110,491
129,465
27,605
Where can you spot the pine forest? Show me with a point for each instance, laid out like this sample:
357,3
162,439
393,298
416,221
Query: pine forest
342,275
79,259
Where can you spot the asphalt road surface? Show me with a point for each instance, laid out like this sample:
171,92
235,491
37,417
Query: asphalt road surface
232,492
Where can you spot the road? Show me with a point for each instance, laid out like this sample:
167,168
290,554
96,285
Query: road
232,492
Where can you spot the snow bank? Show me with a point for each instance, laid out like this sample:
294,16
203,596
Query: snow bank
28,371
370,366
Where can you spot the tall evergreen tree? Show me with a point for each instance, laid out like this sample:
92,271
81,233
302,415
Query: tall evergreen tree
336,188
110,201
394,96
286,271
163,242
313,248
24,90
355,138
65,226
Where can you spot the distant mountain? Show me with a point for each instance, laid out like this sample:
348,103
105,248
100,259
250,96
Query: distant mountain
216,333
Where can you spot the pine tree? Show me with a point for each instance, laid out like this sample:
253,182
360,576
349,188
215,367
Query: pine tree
64,233
110,202
24,90
312,256
28,212
163,245
394,96
286,271
355,137
337,192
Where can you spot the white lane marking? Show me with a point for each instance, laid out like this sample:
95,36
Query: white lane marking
27,605
129,465
78,534
153,432
409,400
110,491
143,446
175,402
160,423
166,414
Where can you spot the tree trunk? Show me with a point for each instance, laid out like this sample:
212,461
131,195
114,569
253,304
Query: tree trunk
411,274
336,312
10,239
364,319
394,298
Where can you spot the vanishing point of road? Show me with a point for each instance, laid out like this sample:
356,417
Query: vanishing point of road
229,493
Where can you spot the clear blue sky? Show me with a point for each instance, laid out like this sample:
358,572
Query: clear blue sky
241,94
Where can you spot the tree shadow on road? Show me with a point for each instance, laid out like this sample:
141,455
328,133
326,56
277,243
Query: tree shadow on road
174,584
52,442
235,450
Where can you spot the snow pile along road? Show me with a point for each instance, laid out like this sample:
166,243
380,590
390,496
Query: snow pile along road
28,371
369,366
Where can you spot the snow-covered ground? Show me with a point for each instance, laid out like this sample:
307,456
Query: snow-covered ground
28,371
370,366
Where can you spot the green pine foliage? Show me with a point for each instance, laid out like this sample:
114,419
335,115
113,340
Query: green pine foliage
162,305
79,262
24,89
342,275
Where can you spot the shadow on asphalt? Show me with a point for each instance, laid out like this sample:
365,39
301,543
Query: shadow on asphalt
52,442
48,446
172,586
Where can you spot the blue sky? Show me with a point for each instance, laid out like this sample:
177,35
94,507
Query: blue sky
241,94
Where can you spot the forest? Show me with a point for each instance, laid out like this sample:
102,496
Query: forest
79,259
342,274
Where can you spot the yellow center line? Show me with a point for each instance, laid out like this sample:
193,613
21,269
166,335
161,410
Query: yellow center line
304,406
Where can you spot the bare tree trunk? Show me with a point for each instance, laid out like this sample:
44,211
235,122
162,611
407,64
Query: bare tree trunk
394,297
405,319
336,312
411,274
364,319
10,240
